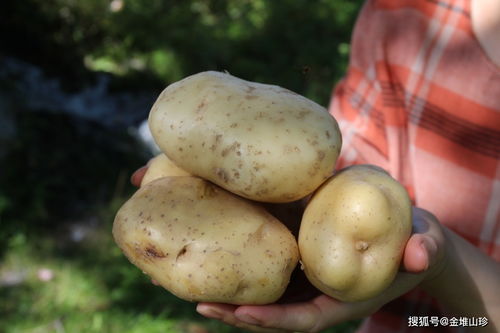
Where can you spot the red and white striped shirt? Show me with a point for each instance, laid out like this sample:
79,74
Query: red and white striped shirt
421,99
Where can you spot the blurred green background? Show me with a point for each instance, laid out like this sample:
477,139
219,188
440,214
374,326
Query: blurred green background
76,80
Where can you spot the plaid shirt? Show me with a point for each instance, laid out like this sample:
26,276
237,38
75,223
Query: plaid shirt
422,99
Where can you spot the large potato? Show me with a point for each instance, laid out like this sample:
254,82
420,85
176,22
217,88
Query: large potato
204,244
259,141
353,233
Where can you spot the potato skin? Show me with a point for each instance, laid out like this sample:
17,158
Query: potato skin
259,141
204,244
161,166
353,233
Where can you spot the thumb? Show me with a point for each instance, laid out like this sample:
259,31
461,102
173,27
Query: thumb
137,176
422,250
419,253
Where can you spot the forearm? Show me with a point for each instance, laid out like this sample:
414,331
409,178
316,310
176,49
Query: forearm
469,284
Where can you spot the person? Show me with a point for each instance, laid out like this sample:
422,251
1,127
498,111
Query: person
421,99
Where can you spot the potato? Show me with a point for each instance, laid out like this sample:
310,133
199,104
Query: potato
353,233
161,166
259,141
205,244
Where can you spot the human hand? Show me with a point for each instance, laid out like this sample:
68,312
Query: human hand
137,176
304,308
423,259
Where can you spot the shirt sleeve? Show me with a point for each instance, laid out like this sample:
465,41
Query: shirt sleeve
357,101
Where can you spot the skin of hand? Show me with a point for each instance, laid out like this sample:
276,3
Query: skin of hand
137,176
433,256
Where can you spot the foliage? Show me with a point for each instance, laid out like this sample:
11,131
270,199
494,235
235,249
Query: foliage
59,169
298,44
91,288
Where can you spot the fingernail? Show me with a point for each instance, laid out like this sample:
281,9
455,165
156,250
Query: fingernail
248,319
210,313
431,248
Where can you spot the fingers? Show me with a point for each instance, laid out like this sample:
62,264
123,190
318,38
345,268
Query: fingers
226,314
137,176
216,310
417,255
425,247
312,316
301,317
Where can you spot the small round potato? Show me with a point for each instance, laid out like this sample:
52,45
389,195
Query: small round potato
259,141
353,233
204,244
161,166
